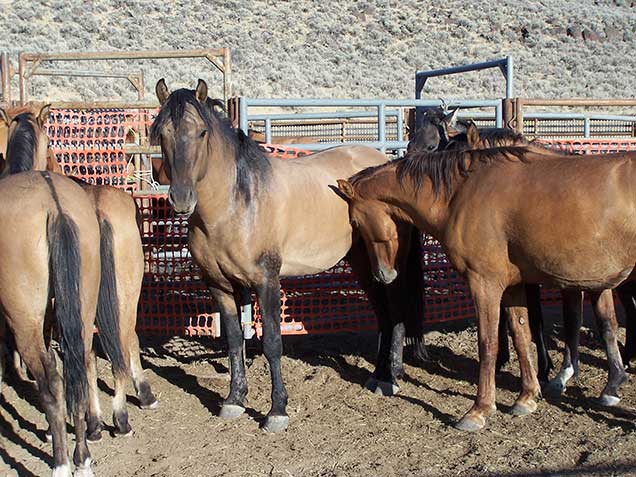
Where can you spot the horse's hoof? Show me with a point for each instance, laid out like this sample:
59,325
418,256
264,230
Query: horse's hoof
371,384
153,405
122,428
84,470
470,423
608,400
554,388
523,409
231,411
129,433
386,389
62,471
275,424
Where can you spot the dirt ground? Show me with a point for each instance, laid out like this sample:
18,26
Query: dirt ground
337,428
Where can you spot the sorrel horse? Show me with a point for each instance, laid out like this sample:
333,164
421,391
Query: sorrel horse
440,130
254,219
468,134
122,267
506,217
48,248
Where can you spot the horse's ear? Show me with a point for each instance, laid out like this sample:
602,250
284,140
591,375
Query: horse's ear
162,91
4,116
43,115
451,118
202,91
346,189
472,135
52,164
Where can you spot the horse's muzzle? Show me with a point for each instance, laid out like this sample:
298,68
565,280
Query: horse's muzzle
183,199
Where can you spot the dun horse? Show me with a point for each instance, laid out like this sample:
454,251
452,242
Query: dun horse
48,247
122,259
505,217
254,219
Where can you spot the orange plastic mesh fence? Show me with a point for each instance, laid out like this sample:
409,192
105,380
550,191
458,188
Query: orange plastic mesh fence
174,300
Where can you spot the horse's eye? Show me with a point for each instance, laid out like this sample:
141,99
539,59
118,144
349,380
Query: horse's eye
203,133
354,223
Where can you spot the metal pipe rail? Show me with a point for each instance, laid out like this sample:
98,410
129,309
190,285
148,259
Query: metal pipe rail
381,113
504,64
219,57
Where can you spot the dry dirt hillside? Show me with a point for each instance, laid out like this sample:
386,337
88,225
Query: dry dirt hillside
345,48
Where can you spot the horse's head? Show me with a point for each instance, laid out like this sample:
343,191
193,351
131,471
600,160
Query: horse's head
27,142
183,128
373,220
435,132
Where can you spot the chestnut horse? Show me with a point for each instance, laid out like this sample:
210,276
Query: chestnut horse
254,219
505,217
466,134
122,259
440,130
49,248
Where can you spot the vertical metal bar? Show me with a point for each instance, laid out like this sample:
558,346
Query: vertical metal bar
243,113
21,79
586,127
499,115
382,126
5,67
247,322
268,131
216,317
400,125
509,77
227,74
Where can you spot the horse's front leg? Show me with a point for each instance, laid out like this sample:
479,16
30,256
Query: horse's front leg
572,321
234,404
268,292
487,297
517,312
605,313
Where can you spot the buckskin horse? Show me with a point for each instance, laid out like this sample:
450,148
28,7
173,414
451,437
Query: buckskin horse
254,219
49,247
122,264
505,217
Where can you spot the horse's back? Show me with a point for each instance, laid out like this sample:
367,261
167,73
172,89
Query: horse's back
341,161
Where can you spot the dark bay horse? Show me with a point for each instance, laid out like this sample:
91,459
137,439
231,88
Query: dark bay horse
48,247
505,217
122,267
255,218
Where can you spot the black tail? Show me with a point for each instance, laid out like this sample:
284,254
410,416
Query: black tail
65,265
413,321
108,303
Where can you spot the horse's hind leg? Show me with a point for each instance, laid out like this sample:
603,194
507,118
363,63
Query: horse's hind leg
535,315
94,422
268,293
381,381
572,321
41,364
515,300
627,294
605,313
147,399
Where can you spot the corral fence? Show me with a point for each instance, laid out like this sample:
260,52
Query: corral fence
106,142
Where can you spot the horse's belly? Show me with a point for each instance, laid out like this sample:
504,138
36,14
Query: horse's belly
315,257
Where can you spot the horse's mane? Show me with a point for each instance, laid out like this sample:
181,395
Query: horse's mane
22,144
252,164
441,167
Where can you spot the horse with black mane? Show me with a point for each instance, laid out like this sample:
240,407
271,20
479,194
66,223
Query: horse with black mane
254,219
506,217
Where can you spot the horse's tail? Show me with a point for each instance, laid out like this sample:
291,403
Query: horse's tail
65,265
413,321
107,318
